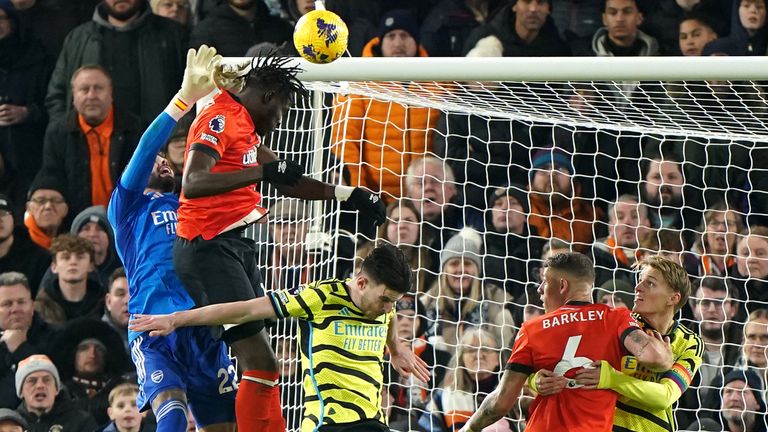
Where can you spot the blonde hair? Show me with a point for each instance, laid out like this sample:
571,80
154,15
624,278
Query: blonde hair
673,273
124,389
460,378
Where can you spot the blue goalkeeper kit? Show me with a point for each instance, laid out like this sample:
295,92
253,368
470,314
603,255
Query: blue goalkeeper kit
189,359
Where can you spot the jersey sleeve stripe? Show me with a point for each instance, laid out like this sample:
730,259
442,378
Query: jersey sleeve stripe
521,368
205,149
277,306
626,333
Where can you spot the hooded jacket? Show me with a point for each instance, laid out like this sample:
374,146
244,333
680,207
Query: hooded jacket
600,48
377,140
159,46
232,34
739,42
546,44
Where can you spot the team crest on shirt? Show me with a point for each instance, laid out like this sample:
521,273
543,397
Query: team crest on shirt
217,124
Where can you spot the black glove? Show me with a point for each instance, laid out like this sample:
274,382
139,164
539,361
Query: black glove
282,172
369,205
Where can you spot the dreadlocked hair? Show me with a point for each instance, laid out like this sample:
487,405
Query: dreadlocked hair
270,72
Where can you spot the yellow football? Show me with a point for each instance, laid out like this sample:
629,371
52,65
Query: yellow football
320,36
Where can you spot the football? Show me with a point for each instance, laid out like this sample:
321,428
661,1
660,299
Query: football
320,36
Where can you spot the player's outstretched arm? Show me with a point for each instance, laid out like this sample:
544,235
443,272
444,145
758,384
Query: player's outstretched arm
498,403
649,395
196,84
307,188
403,359
651,351
218,314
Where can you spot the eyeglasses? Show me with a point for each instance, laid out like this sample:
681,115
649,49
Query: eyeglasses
43,201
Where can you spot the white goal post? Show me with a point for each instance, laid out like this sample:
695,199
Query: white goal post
489,121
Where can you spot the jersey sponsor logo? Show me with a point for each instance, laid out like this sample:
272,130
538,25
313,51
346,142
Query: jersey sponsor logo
217,124
168,218
251,157
210,138
361,337
572,317
157,376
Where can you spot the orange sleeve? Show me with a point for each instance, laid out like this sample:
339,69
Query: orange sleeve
210,129
521,359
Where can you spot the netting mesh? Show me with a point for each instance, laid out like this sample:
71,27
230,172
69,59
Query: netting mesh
502,175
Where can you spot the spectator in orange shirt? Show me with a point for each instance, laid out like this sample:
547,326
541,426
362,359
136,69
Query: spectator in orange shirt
88,149
375,139
557,210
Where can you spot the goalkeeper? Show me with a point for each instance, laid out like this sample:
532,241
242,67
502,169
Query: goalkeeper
645,397
188,367
344,327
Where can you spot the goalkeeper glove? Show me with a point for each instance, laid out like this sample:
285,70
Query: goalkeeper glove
231,77
197,82
282,172
369,205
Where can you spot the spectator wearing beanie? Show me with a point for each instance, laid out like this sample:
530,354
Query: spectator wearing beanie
743,406
47,210
461,297
557,209
510,241
17,251
377,140
43,404
410,395
11,421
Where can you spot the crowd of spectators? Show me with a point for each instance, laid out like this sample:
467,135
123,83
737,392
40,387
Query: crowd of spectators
475,202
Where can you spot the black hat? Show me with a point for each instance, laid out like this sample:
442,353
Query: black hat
399,19
753,381
515,191
45,182
411,302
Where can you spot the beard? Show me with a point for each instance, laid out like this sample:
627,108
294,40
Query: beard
712,333
163,184
124,15
672,204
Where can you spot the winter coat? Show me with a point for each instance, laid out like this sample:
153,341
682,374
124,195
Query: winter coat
67,156
573,223
546,44
54,309
40,336
509,257
63,414
232,34
25,69
377,140
26,257
160,46
448,25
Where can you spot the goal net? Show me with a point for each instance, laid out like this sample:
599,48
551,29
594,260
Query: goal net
487,170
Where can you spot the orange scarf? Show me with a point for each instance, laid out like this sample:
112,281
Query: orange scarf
36,233
98,145
708,265
618,252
